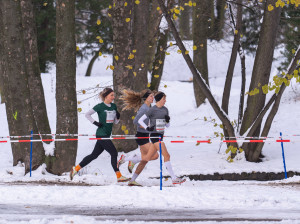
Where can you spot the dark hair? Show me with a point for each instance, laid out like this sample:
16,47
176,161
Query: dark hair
134,100
159,96
105,92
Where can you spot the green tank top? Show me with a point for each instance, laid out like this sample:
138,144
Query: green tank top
106,117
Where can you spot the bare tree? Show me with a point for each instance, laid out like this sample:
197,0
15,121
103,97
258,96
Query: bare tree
185,21
197,75
18,101
140,43
201,17
261,71
66,100
123,76
267,39
153,33
33,69
2,60
160,53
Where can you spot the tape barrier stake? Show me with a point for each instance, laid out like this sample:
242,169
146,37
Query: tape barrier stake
283,158
160,163
31,151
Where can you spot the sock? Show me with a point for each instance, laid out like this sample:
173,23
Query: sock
118,173
170,170
77,168
136,159
134,176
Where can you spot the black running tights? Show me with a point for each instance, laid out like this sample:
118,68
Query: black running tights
100,146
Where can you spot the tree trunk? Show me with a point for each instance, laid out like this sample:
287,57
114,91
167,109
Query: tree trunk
212,19
34,76
276,100
219,20
18,102
123,76
184,21
159,61
43,46
200,34
66,100
91,64
153,33
140,44
261,72
232,62
2,63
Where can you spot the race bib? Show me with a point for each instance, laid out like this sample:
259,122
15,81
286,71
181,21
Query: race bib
110,116
160,125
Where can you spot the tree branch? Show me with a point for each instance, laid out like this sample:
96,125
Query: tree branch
205,89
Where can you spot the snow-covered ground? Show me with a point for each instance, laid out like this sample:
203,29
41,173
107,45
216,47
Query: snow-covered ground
188,158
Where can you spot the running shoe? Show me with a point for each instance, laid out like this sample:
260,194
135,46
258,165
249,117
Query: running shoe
130,166
123,179
134,183
121,161
73,172
178,180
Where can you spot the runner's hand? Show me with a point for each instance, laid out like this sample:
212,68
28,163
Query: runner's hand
97,124
167,118
150,128
118,115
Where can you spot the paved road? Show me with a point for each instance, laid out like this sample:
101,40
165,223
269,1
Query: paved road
16,212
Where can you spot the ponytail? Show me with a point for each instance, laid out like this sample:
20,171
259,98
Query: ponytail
134,100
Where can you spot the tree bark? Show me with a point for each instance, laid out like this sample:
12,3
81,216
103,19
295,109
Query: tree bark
159,61
232,62
276,100
140,44
219,20
18,102
34,76
123,76
184,21
66,100
275,107
2,62
261,72
200,35
262,64
153,33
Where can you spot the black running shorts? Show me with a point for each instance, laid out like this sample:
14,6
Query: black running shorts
142,141
154,140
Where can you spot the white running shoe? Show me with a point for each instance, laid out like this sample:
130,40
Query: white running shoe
123,179
121,161
134,183
178,180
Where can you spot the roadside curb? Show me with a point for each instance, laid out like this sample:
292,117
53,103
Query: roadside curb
258,176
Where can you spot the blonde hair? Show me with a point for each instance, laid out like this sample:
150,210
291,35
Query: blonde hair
133,100
105,92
